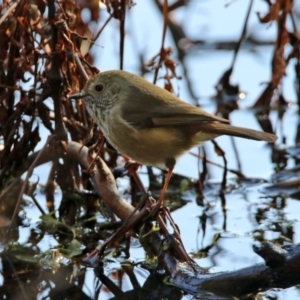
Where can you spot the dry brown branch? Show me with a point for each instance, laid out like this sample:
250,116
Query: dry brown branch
103,181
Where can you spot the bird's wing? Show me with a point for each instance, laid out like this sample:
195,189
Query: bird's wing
164,109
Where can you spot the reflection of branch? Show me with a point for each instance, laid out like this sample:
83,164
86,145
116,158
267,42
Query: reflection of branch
187,275
280,270
221,153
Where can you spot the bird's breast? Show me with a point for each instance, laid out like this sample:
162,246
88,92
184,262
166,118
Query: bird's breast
150,146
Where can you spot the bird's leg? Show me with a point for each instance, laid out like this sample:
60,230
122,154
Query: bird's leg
170,164
132,168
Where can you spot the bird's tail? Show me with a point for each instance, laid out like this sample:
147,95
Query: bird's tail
225,129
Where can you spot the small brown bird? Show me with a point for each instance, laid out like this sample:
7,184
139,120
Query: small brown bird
149,124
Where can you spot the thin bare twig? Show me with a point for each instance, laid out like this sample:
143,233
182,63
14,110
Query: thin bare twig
165,13
28,175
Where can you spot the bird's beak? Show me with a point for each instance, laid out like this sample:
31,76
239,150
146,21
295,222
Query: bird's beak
77,96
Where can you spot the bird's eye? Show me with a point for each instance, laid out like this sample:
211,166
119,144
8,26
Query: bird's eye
99,88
